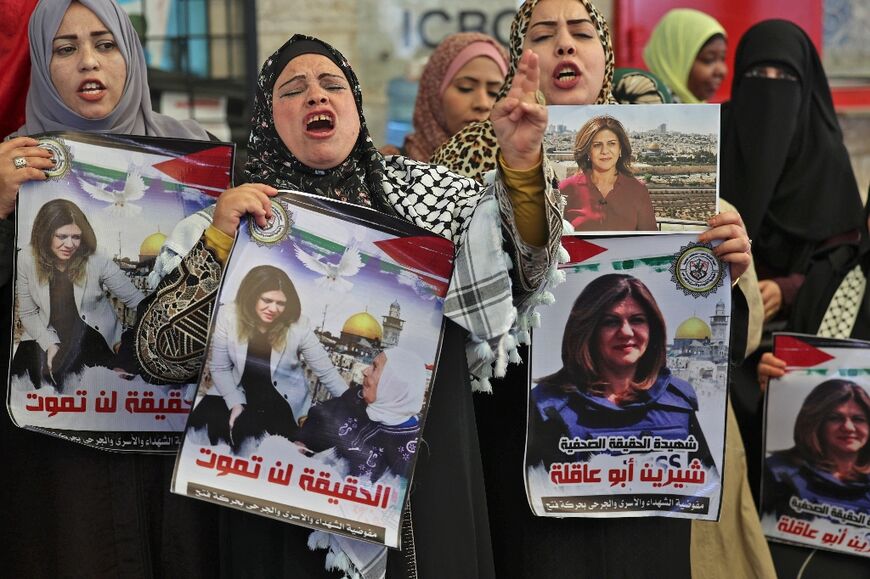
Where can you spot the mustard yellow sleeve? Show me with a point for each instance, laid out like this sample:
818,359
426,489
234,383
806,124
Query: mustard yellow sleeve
526,189
219,242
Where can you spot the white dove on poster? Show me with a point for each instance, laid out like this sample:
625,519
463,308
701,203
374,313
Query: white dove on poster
120,201
333,276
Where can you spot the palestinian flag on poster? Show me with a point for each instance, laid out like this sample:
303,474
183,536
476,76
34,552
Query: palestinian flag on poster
423,262
333,445
657,308
815,490
113,200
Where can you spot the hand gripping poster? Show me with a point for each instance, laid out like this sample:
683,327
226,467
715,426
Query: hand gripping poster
629,374
88,239
816,485
321,353
637,168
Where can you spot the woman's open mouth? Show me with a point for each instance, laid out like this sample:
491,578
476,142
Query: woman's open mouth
566,75
320,125
92,90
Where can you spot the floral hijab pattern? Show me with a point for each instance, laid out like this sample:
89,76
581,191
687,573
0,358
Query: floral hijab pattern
358,179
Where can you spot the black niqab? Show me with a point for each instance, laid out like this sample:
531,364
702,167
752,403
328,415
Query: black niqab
784,164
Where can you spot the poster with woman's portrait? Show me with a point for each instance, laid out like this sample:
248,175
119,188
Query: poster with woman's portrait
320,357
637,168
816,485
89,242
628,381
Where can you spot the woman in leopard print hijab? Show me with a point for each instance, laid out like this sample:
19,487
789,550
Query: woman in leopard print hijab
572,41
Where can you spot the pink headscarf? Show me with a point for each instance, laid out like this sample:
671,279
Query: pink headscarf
430,126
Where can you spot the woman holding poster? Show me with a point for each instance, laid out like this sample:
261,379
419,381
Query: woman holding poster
79,510
309,134
572,39
64,288
604,195
613,380
256,364
830,461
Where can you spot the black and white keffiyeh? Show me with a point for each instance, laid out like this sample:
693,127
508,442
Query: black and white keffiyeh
480,298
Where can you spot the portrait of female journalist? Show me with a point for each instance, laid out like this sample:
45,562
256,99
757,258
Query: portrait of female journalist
830,460
614,379
604,195
63,291
258,346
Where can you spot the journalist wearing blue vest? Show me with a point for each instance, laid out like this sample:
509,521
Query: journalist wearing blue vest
830,461
613,379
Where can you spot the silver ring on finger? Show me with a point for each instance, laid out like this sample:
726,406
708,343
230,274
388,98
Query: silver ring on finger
19,162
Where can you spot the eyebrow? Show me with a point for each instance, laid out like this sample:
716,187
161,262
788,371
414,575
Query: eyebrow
478,81
553,22
74,36
321,76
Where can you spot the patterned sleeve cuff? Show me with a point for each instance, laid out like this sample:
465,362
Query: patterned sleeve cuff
173,326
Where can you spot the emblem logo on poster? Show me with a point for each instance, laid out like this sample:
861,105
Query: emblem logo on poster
278,227
61,154
696,270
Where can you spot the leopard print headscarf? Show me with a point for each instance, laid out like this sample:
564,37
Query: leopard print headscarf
472,152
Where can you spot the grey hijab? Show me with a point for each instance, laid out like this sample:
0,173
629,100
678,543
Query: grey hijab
133,115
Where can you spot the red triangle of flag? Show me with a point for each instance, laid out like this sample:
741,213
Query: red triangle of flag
580,250
797,353
210,168
429,254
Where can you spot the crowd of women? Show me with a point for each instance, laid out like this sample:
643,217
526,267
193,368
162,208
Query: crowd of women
77,512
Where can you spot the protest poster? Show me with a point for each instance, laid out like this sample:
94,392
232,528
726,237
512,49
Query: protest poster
816,488
628,381
637,168
320,357
87,240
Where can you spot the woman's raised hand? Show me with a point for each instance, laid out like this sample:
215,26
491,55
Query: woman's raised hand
519,120
735,249
20,161
234,203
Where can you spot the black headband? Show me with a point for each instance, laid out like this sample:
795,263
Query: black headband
300,47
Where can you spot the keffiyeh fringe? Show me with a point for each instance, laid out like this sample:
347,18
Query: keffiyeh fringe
355,559
492,345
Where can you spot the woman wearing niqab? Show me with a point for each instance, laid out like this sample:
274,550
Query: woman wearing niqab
784,164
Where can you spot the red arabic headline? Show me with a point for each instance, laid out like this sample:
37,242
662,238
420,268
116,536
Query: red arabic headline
569,473
135,403
806,532
348,490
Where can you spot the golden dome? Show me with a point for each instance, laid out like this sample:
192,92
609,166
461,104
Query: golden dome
694,329
654,147
151,246
363,325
